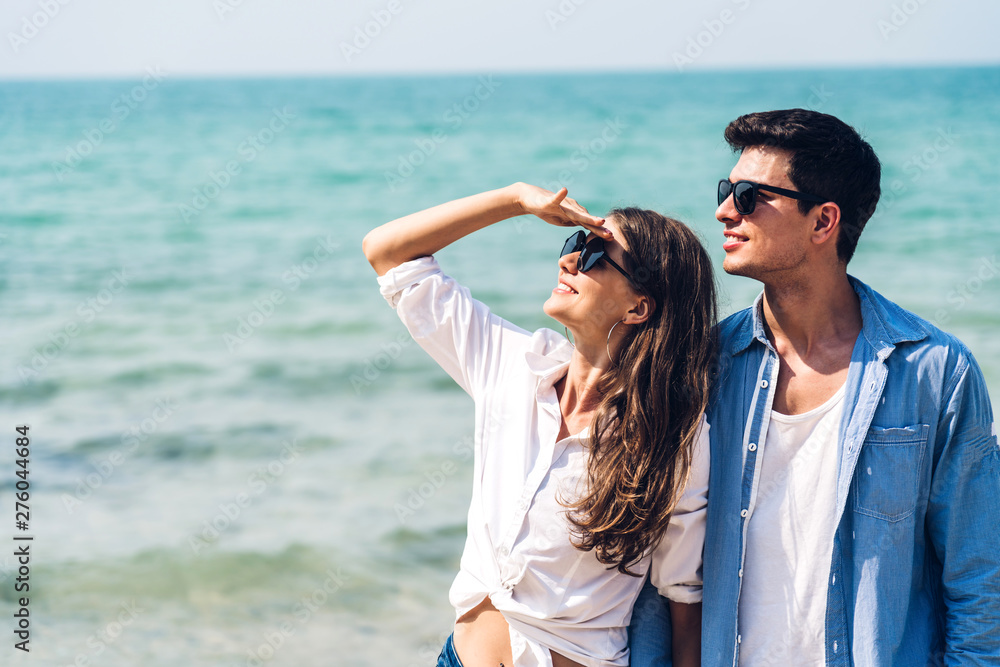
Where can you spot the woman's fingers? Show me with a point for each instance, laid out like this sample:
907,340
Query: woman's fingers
591,222
561,210
598,228
581,216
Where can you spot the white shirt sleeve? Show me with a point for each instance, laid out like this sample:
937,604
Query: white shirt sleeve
676,562
460,333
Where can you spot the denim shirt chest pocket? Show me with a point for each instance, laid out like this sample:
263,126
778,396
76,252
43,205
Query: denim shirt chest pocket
888,471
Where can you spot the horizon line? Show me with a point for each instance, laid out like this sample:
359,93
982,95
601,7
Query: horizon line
706,69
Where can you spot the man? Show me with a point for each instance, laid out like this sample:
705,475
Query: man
854,503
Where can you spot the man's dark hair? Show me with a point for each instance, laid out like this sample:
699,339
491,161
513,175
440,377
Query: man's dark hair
829,159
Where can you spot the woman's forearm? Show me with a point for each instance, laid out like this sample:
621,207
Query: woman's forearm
430,230
685,623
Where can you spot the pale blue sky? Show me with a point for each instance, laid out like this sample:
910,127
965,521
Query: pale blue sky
46,38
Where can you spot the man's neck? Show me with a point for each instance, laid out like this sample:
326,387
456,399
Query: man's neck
811,313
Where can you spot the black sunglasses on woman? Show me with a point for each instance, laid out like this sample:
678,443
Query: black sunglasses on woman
591,253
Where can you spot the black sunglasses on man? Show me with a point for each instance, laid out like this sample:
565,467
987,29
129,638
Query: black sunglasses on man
745,194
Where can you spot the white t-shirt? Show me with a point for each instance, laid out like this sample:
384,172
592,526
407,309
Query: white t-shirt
517,551
782,614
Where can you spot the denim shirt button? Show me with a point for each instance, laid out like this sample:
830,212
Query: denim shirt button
741,571
752,446
834,647
744,513
739,638
834,580
763,384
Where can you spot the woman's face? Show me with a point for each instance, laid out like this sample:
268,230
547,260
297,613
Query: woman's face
590,303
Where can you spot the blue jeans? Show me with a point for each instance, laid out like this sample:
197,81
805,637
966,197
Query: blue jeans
448,657
649,634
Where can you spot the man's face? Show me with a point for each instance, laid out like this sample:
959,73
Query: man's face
776,236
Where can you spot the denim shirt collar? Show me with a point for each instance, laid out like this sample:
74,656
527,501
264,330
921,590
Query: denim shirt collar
883,323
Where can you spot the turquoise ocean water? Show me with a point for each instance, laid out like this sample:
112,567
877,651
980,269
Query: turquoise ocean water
238,456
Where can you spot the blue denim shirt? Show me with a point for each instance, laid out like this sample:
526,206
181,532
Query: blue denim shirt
915,573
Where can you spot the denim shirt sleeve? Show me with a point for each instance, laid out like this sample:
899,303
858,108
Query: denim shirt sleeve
963,519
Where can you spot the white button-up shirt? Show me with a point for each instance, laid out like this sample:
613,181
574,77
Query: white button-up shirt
517,550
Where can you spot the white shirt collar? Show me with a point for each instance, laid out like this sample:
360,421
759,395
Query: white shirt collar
548,356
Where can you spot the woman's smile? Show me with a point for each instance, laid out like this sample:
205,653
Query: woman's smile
564,288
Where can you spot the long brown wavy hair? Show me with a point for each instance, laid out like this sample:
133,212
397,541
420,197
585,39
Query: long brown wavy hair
652,395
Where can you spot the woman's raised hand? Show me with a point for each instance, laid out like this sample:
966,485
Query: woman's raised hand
558,209
425,232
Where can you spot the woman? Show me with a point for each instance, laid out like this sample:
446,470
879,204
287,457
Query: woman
591,457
